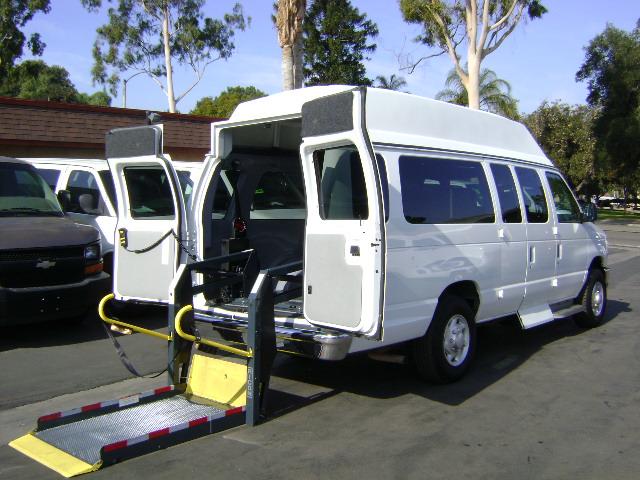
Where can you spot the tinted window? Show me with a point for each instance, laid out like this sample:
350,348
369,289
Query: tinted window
384,184
224,188
85,194
566,207
341,189
149,192
277,191
535,201
50,176
506,194
444,191
107,181
186,184
23,192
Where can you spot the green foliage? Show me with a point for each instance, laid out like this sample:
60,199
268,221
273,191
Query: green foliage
392,83
612,72
565,133
495,93
15,14
224,104
100,99
35,80
133,40
336,42
442,18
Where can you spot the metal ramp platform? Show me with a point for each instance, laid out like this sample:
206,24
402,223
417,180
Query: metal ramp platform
88,438
215,387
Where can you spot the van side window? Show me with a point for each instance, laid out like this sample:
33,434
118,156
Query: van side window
342,193
506,193
149,192
535,201
567,208
278,195
436,190
107,181
50,176
384,184
85,194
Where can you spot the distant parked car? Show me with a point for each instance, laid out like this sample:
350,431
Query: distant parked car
91,194
50,267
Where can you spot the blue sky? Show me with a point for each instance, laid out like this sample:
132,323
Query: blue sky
539,60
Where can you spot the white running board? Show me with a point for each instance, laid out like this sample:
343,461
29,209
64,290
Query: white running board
534,316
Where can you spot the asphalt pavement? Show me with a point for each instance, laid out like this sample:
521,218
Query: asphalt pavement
553,402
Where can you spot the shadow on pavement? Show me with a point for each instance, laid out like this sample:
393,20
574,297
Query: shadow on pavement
501,348
69,332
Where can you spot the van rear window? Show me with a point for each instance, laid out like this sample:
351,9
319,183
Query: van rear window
149,192
342,193
436,190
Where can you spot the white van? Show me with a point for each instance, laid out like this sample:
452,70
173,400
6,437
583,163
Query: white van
91,193
415,221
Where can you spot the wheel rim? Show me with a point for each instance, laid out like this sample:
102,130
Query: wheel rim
456,340
597,299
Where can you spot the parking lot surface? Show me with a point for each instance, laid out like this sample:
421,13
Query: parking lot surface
554,402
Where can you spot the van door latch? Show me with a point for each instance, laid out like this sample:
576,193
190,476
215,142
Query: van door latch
355,250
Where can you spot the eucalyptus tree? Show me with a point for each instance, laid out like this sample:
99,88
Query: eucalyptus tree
152,36
479,25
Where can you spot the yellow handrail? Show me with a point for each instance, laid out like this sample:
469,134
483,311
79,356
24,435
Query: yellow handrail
181,333
118,323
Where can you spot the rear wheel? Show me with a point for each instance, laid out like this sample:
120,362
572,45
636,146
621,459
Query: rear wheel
594,301
445,352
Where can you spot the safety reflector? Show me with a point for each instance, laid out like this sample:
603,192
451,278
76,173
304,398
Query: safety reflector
52,457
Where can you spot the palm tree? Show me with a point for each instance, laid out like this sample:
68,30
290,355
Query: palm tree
289,17
495,93
392,83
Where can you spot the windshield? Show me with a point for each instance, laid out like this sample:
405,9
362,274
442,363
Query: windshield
24,193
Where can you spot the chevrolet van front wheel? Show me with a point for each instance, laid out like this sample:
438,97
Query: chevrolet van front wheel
444,353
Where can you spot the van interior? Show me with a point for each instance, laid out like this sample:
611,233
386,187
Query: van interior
256,200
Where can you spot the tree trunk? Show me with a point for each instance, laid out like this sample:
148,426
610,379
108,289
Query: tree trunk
473,84
298,51
287,67
167,61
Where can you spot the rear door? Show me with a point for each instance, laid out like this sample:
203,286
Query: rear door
344,257
150,211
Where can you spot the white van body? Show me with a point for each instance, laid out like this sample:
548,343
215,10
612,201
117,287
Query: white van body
92,176
408,202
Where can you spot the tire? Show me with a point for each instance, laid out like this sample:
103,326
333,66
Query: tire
593,300
433,361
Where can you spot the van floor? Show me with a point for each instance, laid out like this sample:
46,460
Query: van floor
289,309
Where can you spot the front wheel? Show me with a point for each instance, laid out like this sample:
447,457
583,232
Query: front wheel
445,352
594,301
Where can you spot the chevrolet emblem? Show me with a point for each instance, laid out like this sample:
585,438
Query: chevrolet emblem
45,264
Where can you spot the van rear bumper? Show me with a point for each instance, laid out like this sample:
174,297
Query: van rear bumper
21,306
311,343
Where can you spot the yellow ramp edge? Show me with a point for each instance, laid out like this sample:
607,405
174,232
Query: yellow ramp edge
218,379
52,457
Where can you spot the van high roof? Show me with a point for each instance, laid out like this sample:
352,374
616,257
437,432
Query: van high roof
396,118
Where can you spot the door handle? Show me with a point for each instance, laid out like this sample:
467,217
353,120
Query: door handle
355,250
532,255
559,251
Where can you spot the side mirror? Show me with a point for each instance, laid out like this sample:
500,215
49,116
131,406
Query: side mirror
64,197
589,212
87,203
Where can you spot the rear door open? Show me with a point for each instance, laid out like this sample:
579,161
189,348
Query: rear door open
344,259
151,214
